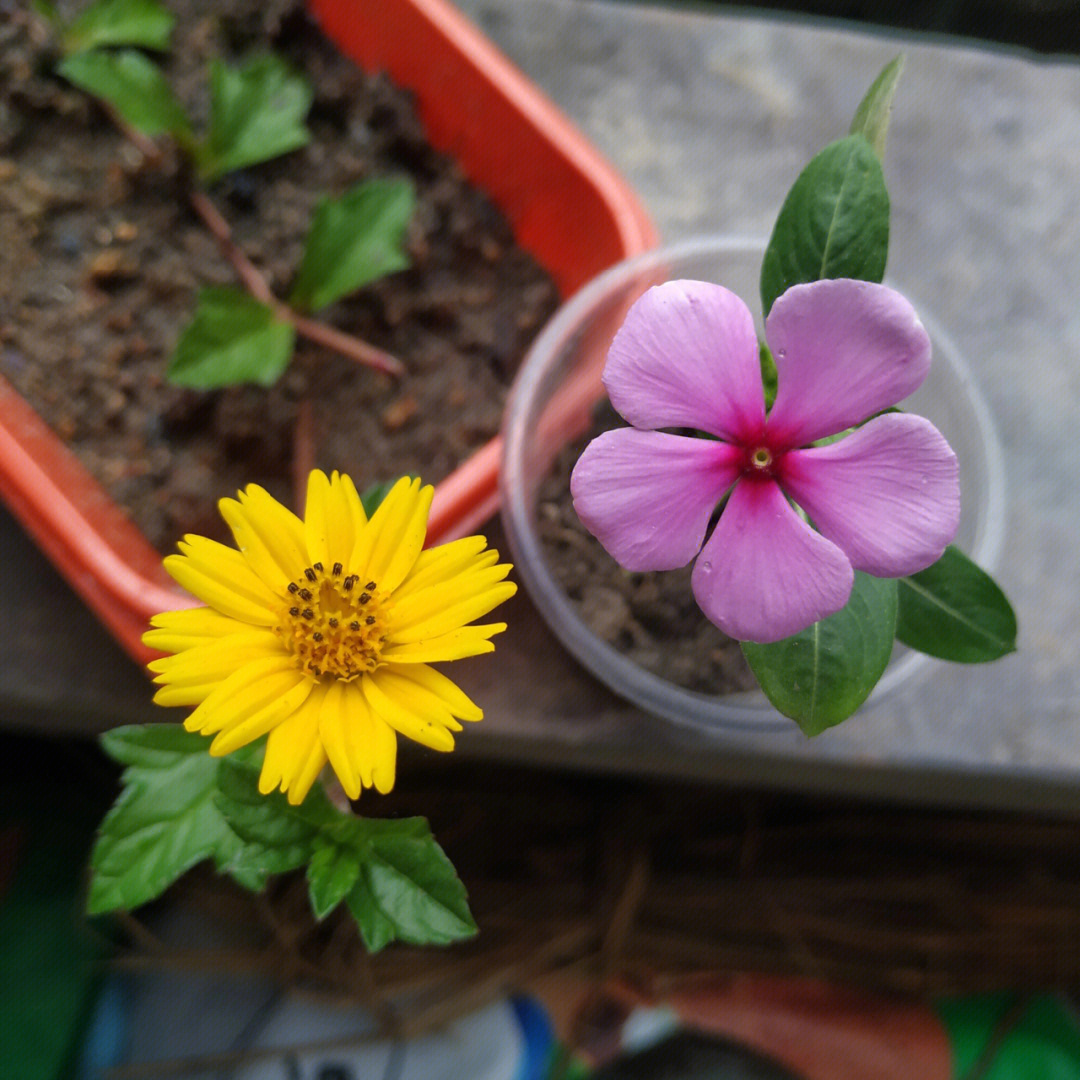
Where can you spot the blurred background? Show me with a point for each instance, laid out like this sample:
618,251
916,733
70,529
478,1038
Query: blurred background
1050,26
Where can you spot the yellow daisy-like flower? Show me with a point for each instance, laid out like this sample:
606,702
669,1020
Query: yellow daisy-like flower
321,632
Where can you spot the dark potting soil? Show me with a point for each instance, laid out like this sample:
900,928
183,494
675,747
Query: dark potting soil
652,618
101,258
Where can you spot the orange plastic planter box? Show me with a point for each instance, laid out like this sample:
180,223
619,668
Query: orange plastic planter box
566,204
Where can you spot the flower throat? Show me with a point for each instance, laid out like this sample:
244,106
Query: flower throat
333,625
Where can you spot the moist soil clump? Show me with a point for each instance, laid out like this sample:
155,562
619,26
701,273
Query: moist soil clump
101,258
650,617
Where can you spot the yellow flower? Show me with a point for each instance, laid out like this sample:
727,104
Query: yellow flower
321,632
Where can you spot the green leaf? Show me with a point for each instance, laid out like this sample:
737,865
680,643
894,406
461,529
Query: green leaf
874,111
955,611
142,23
768,373
256,113
416,888
331,875
834,222
376,929
46,9
371,497
164,821
133,86
282,839
233,338
821,675
353,240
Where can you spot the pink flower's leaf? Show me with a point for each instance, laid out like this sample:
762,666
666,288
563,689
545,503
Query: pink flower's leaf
954,610
834,222
764,573
844,350
888,494
687,356
647,496
874,111
821,675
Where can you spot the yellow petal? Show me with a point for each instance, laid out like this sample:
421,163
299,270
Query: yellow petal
235,734
294,753
410,694
185,694
456,645
245,693
389,544
175,631
360,745
216,661
221,577
443,690
383,696
333,518
447,607
270,537
446,561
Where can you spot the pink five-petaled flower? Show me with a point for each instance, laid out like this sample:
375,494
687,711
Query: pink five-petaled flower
884,499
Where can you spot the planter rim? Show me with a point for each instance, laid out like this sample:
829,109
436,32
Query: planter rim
105,558
747,710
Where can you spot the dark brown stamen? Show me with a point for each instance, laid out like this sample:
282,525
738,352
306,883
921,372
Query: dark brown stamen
336,571
293,586
309,574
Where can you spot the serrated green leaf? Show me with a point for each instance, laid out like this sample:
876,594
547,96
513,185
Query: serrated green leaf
353,240
164,821
954,610
284,838
821,675
141,23
416,888
834,222
257,113
133,86
875,110
331,874
375,928
232,339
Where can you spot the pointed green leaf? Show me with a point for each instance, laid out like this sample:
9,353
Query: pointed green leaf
232,339
331,875
267,821
353,240
834,222
416,887
955,611
164,821
874,111
821,675
133,86
375,928
257,113
140,23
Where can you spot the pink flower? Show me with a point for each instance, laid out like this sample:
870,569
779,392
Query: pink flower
884,499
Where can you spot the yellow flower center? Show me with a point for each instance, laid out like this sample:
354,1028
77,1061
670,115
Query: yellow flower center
333,624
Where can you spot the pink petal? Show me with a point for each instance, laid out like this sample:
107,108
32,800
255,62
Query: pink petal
648,496
888,494
687,356
765,574
844,350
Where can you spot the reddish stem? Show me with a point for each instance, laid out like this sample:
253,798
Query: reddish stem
255,283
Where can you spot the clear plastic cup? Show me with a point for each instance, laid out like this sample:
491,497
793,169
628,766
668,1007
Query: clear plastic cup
551,404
